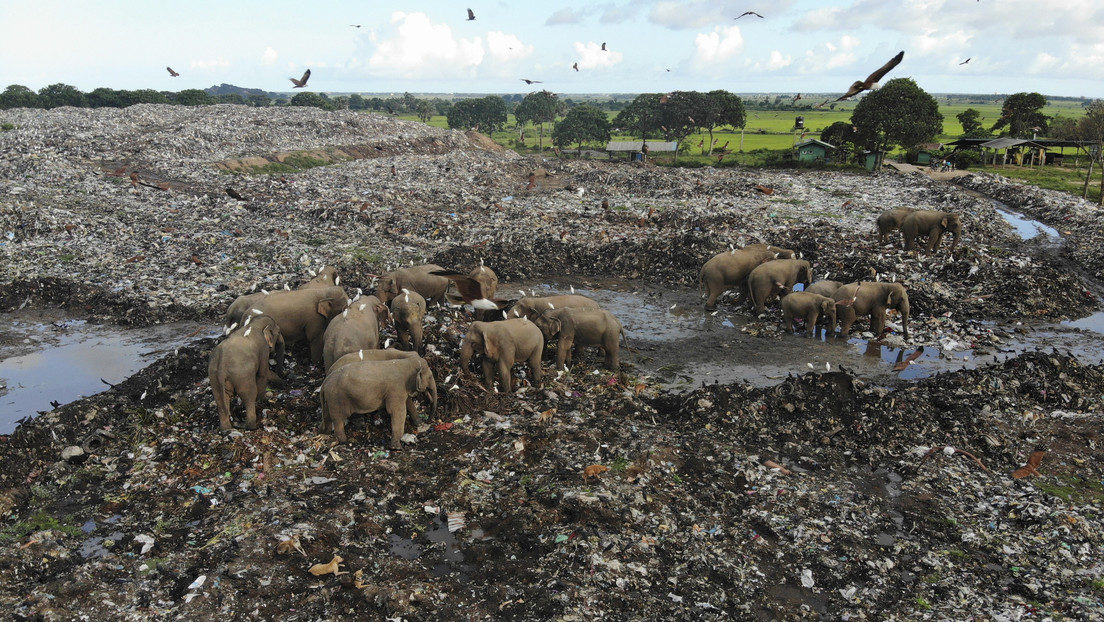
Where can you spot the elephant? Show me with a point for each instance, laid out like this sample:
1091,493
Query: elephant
367,386
239,366
242,304
408,311
387,354
326,277
355,328
532,306
304,314
931,224
890,220
503,343
579,328
873,299
772,277
416,279
809,306
488,280
824,287
731,268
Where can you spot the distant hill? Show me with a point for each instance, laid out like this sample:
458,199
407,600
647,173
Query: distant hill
226,89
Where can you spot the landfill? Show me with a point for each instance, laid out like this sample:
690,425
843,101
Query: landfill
824,491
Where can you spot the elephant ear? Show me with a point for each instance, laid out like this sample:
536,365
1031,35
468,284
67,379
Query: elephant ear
945,222
889,299
271,335
491,346
325,307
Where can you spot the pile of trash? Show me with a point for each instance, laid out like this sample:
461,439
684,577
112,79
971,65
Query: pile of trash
970,494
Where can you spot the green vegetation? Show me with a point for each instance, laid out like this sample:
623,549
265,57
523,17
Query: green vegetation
923,603
40,521
4,127
620,464
1074,489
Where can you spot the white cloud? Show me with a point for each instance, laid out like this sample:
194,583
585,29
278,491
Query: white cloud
269,56
564,16
506,47
685,15
718,46
209,64
778,60
591,56
832,56
419,48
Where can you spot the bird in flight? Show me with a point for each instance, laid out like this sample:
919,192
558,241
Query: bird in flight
965,61
301,82
354,25
575,66
871,82
471,16
172,73
528,81
746,13
796,97
604,46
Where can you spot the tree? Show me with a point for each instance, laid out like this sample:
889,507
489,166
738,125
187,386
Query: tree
107,98
720,108
57,95
193,97
150,96
841,134
970,120
486,114
357,102
19,96
311,99
538,109
581,124
231,98
898,114
642,116
424,110
1022,114
1091,129
258,100
679,113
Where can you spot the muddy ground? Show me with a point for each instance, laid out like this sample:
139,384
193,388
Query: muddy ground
760,490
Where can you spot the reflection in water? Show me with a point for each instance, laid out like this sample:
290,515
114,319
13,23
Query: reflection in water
73,360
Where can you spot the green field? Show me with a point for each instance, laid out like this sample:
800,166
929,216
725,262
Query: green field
771,132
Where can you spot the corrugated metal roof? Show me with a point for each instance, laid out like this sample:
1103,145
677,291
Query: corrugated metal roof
813,141
1004,143
635,145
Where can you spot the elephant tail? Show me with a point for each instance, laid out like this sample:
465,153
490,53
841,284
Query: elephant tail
625,339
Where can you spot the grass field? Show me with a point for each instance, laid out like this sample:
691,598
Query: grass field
770,132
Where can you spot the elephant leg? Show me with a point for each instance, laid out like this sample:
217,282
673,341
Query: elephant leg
713,291
846,319
316,350
222,403
535,368
810,324
505,375
934,240
613,353
412,413
337,421
787,320
396,406
249,398
488,374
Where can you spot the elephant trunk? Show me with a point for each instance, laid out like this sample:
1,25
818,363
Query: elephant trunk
431,390
465,354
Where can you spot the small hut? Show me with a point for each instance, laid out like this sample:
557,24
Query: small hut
635,148
813,150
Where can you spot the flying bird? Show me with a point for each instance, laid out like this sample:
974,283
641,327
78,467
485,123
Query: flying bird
301,82
871,82
575,66
905,362
796,97
965,61
746,13
1032,466
470,290
604,46
471,16
172,73
528,81
354,25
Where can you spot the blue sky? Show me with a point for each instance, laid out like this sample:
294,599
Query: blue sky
803,46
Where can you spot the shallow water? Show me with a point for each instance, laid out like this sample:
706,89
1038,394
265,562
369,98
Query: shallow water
1026,228
48,357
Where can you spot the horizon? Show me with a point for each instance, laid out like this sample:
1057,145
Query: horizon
798,46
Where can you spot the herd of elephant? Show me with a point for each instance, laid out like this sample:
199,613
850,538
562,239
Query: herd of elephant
344,333
344,337
760,272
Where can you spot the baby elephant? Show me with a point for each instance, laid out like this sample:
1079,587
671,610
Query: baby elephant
408,311
810,307
501,344
579,328
367,386
890,220
239,366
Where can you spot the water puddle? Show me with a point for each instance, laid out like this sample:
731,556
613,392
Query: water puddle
1026,228
48,358
449,562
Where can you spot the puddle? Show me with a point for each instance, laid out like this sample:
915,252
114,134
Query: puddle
100,546
1026,228
451,558
1093,323
47,357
